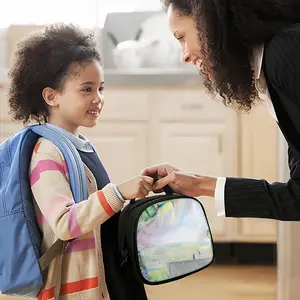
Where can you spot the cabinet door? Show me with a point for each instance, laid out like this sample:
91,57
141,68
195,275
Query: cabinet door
122,147
198,147
121,136
259,160
4,110
8,129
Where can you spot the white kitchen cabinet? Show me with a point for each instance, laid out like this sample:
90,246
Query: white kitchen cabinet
3,53
182,127
197,147
122,148
199,135
7,129
258,150
122,134
4,113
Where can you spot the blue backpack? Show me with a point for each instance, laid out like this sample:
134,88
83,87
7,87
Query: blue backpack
21,263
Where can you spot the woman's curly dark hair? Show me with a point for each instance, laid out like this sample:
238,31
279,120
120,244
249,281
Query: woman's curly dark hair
228,32
43,60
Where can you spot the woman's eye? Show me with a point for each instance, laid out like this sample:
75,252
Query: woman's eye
87,90
101,88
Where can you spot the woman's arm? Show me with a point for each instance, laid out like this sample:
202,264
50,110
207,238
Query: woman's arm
259,198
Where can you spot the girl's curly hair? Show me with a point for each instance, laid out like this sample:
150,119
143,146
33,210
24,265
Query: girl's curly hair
43,60
228,32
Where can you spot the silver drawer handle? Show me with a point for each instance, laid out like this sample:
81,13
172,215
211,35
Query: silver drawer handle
192,106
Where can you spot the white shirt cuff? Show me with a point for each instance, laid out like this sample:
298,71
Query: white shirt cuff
219,196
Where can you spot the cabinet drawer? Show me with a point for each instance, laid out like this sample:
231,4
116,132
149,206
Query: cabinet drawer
189,105
125,104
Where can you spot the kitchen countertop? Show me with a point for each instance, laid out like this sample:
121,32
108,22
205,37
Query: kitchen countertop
145,77
153,76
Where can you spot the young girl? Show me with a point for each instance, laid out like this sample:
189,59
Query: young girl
56,78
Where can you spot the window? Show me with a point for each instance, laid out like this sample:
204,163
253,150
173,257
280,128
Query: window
38,12
86,13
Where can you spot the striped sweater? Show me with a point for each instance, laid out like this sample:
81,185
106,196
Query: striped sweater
59,217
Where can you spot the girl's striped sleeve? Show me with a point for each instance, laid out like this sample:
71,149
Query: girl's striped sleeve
51,190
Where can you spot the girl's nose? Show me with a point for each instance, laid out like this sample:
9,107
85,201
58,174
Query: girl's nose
99,99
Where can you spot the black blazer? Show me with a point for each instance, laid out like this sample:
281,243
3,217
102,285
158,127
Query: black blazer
259,198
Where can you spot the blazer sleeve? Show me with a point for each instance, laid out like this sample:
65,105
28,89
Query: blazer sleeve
254,198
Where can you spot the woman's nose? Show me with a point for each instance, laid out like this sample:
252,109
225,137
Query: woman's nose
186,57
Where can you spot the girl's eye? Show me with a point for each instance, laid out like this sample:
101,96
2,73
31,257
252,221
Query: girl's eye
101,88
87,90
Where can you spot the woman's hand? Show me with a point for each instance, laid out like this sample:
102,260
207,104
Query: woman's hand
137,187
181,181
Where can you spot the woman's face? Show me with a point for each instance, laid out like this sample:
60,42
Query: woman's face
185,31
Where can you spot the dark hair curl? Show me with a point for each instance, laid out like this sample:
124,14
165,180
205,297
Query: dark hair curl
43,59
229,30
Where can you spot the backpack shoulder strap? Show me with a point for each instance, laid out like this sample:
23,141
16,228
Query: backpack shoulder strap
56,249
72,157
78,188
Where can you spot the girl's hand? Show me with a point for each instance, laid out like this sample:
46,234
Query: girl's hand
137,187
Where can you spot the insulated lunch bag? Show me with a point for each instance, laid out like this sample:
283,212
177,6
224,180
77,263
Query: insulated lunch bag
165,237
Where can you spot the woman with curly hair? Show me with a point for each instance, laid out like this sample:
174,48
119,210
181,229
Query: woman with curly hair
246,50
56,78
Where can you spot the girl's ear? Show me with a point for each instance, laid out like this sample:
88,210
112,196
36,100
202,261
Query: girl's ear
49,96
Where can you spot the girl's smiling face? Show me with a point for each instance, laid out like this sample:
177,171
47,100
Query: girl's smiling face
81,99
